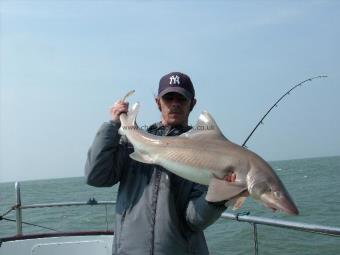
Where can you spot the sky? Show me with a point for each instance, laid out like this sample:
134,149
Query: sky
64,63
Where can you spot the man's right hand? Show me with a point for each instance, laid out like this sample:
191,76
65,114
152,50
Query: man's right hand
117,109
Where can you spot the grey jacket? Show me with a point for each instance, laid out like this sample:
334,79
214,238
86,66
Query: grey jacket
157,212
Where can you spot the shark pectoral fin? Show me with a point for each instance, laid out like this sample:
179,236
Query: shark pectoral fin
220,190
141,158
237,202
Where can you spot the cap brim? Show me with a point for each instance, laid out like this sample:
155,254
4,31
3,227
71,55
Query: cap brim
179,90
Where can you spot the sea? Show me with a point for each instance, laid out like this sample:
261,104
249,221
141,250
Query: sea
314,184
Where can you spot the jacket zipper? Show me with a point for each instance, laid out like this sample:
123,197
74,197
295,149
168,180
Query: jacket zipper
158,174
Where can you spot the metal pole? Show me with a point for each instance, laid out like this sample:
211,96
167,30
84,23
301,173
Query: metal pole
319,229
18,209
107,222
256,247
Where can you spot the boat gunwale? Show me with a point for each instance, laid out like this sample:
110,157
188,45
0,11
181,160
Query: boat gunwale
55,234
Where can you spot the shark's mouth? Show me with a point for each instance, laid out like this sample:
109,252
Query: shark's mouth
282,203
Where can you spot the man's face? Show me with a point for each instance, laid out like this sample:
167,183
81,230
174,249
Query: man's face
175,109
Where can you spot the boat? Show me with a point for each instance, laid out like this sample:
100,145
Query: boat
75,242
100,242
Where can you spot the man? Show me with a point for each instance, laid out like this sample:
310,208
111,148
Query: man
157,212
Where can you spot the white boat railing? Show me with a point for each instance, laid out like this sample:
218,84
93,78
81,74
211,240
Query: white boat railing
241,217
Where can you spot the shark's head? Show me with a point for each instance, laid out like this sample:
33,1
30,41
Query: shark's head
265,186
274,197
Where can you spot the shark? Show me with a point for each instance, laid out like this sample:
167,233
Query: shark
205,156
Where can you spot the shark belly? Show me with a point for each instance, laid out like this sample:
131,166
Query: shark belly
188,172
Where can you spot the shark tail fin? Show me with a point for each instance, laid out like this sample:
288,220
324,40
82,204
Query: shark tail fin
132,115
128,120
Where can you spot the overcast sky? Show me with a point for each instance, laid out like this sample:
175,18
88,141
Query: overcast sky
63,63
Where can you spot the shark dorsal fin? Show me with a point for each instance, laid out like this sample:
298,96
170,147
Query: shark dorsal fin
205,128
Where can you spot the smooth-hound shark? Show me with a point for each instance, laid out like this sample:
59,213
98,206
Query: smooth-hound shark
203,155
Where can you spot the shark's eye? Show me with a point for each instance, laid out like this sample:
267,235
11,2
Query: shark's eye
277,194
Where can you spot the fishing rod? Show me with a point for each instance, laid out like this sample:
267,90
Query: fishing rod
275,105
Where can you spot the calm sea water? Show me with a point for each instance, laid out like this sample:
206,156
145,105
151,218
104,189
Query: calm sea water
313,183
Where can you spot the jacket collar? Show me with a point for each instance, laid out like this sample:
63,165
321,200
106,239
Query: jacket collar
159,129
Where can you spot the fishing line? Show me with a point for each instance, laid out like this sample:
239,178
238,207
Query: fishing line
7,212
2,217
276,103
30,224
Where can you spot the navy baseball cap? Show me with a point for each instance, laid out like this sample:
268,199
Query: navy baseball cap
176,82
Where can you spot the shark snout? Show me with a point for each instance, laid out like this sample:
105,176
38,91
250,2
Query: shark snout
280,202
288,206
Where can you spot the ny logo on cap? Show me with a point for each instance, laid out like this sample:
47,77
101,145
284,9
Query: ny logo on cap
174,79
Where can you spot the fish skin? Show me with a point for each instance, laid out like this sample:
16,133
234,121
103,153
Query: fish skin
203,155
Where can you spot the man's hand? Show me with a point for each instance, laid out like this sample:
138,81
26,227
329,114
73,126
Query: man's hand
117,109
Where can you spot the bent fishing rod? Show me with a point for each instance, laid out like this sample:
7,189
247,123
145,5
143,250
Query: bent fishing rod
276,103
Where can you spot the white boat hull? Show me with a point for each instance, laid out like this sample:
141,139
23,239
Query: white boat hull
75,244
